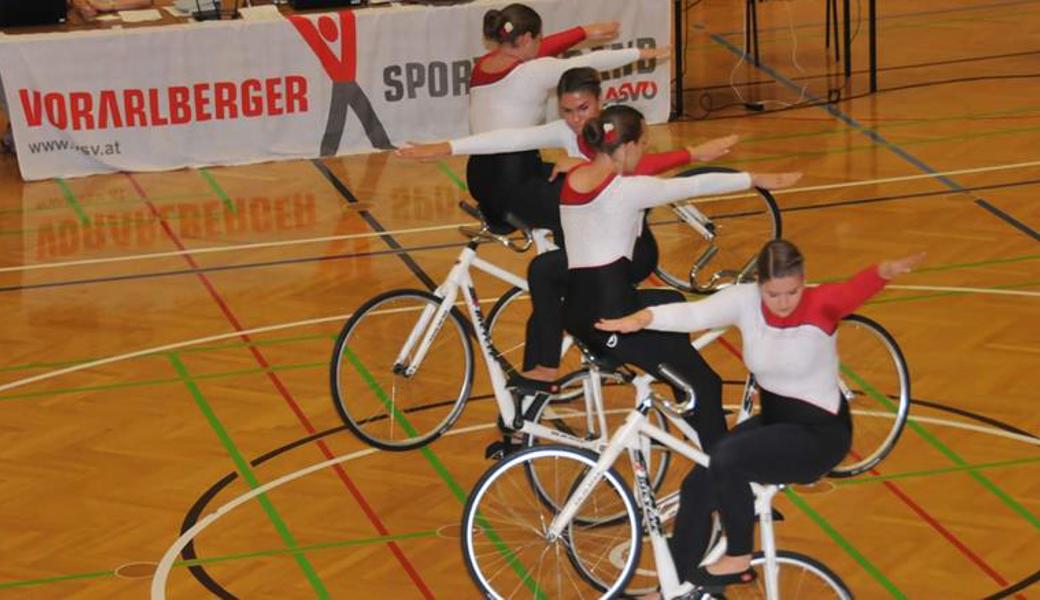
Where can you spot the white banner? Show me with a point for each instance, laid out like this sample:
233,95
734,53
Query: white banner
235,92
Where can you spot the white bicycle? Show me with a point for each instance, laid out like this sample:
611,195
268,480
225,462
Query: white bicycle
581,532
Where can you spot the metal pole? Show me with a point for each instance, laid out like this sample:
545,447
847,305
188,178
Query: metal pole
679,50
873,46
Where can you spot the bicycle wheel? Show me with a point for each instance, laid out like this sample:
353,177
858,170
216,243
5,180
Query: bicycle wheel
507,327
577,418
503,528
373,392
737,226
798,576
876,383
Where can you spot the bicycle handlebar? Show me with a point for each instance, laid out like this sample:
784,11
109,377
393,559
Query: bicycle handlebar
672,376
485,234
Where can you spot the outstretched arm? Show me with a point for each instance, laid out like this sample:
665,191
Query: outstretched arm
550,135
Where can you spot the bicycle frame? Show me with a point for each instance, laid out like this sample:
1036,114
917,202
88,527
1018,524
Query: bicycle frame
459,281
635,437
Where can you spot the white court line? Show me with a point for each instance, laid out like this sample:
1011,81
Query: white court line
224,336
162,571
202,340
297,242
963,290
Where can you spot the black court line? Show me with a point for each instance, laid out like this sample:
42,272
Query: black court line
1007,218
1015,588
398,249
375,225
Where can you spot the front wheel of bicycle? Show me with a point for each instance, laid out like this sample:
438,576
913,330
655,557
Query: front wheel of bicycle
392,399
507,328
504,525
798,576
875,381
579,419
733,228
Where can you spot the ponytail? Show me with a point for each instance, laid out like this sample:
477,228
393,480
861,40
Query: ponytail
506,25
615,126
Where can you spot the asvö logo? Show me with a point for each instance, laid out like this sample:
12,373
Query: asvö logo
341,67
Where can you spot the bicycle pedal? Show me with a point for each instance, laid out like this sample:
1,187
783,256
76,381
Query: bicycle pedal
500,449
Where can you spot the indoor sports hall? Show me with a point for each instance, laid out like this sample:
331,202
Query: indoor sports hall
170,331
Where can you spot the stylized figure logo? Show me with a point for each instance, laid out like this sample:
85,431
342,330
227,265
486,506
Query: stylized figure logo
342,69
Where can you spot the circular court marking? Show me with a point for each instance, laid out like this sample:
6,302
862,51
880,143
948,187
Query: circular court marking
162,571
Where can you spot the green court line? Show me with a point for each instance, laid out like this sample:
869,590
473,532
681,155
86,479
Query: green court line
442,471
70,198
230,557
243,468
948,294
195,350
443,166
844,543
932,440
219,191
151,382
934,472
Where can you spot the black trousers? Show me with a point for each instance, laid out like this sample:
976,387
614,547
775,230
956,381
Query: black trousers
547,278
518,183
789,441
607,292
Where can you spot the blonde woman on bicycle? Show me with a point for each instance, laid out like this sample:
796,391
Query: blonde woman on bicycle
803,429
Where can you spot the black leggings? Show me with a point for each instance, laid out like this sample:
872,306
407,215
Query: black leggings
790,441
517,183
607,292
547,278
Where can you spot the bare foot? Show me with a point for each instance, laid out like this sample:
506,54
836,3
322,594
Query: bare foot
541,373
730,564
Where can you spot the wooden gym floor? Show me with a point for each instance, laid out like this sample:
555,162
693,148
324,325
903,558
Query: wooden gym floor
168,334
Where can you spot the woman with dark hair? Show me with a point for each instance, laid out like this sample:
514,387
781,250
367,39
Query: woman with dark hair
601,211
578,100
803,428
508,88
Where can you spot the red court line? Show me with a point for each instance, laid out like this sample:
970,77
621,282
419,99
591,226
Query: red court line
286,395
921,512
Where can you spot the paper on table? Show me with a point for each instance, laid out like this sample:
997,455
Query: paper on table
267,12
140,16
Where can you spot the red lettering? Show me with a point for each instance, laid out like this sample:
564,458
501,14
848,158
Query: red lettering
260,213
46,241
295,94
224,93
252,100
180,107
201,102
133,101
153,108
108,109
274,96
235,221
211,219
94,236
31,108
189,215
281,215
81,105
304,210
57,113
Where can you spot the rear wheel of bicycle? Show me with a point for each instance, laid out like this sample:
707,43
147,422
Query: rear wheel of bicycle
798,576
876,383
377,399
504,523
507,326
741,222
578,418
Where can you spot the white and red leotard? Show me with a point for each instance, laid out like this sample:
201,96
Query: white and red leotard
794,356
